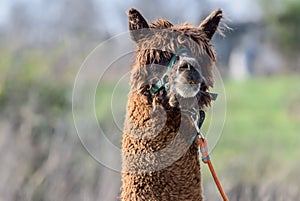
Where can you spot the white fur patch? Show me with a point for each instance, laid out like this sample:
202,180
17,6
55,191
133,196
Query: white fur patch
187,90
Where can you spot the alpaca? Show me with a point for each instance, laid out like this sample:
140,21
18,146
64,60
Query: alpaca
170,78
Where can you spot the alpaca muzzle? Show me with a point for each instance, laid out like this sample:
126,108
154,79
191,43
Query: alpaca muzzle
187,78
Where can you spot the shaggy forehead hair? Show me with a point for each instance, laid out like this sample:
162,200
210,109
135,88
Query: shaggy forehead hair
163,38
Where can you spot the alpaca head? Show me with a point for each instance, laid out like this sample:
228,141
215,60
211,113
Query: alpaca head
176,59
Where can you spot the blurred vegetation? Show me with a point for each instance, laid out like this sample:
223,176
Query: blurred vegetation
263,112
257,155
41,155
284,18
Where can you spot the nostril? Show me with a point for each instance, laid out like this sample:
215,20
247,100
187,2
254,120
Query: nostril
185,66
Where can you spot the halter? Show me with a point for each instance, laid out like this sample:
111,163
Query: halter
162,82
197,117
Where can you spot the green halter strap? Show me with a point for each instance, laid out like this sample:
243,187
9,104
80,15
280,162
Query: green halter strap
162,82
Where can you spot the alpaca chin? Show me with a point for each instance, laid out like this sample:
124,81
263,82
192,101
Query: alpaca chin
187,90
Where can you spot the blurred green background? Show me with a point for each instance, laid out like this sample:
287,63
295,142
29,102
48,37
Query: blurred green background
43,45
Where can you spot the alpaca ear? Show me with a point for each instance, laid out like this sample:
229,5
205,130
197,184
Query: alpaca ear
136,24
211,22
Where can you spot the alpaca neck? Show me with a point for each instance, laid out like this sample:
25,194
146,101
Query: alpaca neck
159,163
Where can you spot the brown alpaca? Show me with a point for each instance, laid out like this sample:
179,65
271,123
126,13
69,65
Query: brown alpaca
160,158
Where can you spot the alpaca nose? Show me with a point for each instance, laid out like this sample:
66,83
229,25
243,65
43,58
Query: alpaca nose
194,77
185,66
191,73
187,63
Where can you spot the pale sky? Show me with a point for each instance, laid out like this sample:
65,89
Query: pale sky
248,9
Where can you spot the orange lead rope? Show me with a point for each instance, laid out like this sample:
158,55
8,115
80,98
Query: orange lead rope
198,121
206,159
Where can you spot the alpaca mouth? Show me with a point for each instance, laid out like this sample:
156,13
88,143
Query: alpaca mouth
193,82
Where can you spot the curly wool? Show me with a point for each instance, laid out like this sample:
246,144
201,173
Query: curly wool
158,162
160,159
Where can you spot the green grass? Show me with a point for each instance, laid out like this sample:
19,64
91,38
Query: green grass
110,98
262,124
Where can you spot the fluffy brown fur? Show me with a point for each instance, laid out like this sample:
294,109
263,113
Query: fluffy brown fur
159,162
